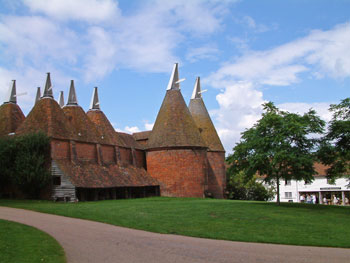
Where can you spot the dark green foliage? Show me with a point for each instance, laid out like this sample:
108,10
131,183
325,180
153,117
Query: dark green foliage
24,163
335,148
278,146
240,189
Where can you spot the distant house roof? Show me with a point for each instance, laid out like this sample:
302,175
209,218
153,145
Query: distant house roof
89,175
105,127
48,117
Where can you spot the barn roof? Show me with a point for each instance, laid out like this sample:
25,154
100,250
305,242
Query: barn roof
89,175
174,126
203,121
129,140
144,135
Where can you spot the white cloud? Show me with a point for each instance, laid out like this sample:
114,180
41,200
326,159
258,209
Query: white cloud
208,52
132,129
321,53
149,126
321,108
86,10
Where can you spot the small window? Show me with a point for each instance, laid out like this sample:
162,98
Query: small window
287,182
56,180
288,194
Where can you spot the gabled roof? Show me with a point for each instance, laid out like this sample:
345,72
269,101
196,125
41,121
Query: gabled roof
11,117
105,127
48,117
129,141
89,175
203,121
174,126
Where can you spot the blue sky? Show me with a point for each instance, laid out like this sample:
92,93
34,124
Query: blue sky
294,53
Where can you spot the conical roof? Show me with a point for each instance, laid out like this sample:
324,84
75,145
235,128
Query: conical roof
11,117
48,117
95,102
203,121
86,130
105,127
174,126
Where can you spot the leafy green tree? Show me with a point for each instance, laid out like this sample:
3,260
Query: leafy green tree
278,146
24,163
240,189
335,147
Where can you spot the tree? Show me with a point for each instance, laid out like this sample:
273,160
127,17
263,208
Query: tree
24,162
278,146
335,146
240,189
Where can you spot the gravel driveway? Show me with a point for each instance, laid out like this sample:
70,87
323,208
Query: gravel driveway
88,241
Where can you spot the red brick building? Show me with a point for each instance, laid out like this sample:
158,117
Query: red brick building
182,156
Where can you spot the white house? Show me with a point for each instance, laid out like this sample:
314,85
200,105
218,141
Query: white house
292,190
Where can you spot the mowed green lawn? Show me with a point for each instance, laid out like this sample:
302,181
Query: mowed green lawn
21,243
296,224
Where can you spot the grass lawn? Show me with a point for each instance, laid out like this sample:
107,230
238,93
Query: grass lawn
21,243
296,224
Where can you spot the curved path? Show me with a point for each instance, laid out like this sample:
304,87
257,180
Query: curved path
88,241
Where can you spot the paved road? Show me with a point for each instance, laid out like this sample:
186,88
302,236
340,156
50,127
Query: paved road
87,241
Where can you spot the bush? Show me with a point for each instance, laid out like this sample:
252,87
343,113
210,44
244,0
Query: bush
24,162
239,189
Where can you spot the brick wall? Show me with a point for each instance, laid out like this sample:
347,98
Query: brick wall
60,149
140,159
182,172
86,152
108,155
126,156
216,173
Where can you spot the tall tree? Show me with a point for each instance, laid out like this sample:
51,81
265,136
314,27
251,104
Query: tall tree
335,147
278,146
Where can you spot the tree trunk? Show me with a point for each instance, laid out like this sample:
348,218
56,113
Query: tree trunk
278,190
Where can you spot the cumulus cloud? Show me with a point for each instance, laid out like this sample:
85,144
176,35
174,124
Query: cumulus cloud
91,38
321,54
86,10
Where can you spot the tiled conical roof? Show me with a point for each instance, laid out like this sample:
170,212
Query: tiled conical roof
105,127
85,128
11,117
102,123
203,121
174,126
48,117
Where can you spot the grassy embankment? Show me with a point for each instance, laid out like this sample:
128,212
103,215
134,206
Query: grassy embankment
21,243
295,224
